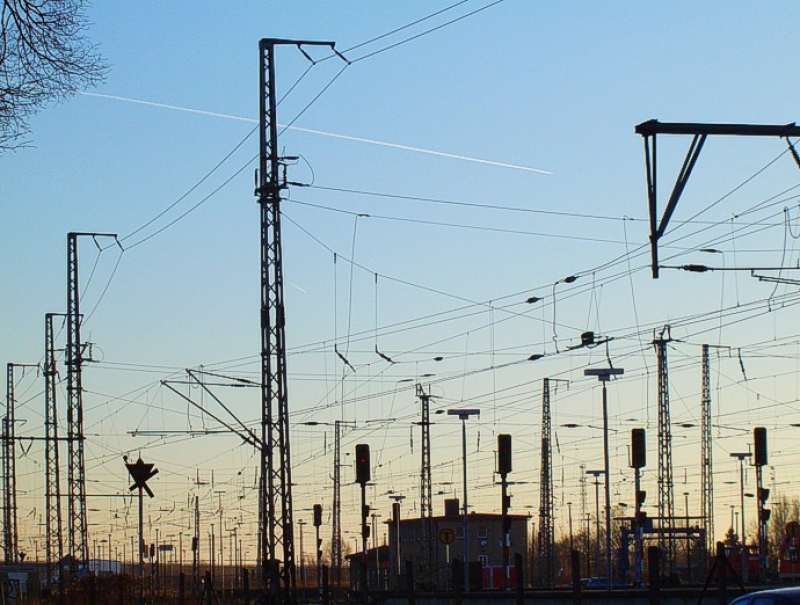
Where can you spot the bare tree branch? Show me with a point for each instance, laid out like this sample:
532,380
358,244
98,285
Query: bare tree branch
44,57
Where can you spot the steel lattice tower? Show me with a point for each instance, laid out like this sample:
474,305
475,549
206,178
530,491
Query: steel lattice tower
546,536
10,536
76,469
275,512
707,475
77,522
425,483
4,480
276,527
54,540
10,525
336,532
76,478
666,501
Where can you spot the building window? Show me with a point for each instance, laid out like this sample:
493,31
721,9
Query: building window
483,532
484,559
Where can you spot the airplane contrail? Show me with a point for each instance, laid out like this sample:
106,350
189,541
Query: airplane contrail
323,133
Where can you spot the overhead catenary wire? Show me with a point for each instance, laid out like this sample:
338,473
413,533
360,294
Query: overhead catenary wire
578,291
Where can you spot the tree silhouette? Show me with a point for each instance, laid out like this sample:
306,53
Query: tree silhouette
44,57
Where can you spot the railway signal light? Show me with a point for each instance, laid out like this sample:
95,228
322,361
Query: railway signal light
760,439
317,515
362,464
638,448
504,454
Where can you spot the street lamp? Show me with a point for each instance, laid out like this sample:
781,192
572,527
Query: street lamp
463,415
741,456
604,375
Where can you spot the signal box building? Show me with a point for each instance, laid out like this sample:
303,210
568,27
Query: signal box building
485,539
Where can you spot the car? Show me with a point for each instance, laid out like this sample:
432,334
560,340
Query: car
776,596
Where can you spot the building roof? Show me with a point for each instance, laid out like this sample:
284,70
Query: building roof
383,553
471,517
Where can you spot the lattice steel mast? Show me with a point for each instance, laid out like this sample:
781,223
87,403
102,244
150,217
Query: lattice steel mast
666,501
336,525
4,481
707,472
54,538
425,487
10,537
275,513
76,465
546,537
11,527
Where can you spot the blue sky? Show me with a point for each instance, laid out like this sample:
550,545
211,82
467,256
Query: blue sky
554,86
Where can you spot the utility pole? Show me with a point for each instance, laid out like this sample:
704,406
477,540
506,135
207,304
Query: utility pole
666,501
396,520
374,517
336,522
743,556
707,469
546,538
52,489
301,523
77,524
363,473
221,543
762,493
638,461
585,515
596,474
196,546
569,522
604,375
11,529
141,473
318,543
426,493
276,526
504,467
463,415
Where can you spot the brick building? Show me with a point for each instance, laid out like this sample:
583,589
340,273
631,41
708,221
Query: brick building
485,535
